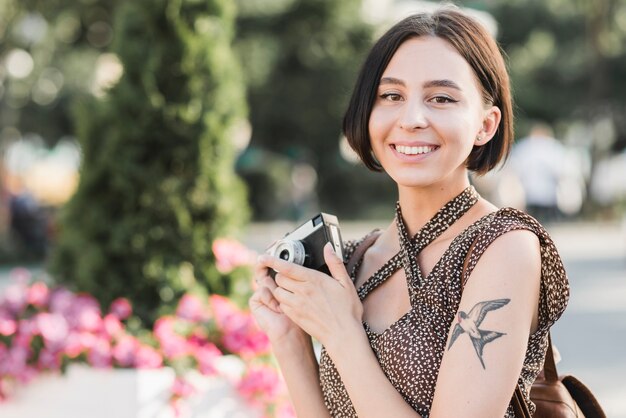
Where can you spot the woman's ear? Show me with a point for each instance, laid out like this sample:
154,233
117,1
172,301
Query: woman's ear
491,121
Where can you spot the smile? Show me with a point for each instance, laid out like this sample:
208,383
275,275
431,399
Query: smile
402,149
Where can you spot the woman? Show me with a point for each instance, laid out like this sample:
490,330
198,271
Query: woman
449,306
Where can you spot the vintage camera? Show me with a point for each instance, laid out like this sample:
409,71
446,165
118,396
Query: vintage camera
305,245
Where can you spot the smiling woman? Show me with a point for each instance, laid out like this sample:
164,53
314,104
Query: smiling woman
446,310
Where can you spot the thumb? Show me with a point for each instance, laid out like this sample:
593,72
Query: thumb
335,265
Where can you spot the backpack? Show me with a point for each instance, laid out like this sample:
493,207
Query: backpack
557,396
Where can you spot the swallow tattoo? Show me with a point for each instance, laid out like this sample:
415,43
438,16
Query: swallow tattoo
469,323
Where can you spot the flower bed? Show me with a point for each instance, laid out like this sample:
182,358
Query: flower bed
43,331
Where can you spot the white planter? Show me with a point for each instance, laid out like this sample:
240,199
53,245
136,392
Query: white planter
84,392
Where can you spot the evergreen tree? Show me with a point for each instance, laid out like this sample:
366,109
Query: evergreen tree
157,183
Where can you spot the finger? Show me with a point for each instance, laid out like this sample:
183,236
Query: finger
268,282
263,297
335,265
260,271
286,283
284,297
287,268
268,299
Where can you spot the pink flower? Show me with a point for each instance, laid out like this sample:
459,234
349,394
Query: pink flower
182,388
53,328
206,356
26,330
100,355
49,360
230,254
241,335
223,309
125,351
172,344
191,308
62,301
15,298
121,308
260,383
86,312
8,326
112,326
38,294
148,358
14,361
79,342
286,411
7,387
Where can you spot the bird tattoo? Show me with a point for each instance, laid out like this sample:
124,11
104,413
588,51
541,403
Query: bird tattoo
469,323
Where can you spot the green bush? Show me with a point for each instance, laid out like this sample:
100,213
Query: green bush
157,183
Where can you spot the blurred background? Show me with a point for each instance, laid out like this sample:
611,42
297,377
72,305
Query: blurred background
134,135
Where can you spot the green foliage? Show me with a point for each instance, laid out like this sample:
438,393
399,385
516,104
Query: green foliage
301,60
157,183
566,61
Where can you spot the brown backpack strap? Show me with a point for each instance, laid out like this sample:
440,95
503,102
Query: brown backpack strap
358,252
520,407
549,365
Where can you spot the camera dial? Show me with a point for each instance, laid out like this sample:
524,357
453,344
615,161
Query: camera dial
292,251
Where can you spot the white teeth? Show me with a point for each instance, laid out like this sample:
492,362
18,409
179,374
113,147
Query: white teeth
414,150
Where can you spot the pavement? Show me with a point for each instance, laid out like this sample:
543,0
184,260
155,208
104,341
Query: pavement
591,335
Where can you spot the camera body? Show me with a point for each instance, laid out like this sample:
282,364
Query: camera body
305,244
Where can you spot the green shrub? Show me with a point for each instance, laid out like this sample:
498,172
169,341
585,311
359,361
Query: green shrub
157,183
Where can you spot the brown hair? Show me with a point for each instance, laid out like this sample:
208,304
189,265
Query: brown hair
472,42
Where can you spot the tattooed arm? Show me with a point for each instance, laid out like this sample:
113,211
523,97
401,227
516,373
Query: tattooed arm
488,338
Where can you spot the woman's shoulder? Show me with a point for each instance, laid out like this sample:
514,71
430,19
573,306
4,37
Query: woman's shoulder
508,219
528,239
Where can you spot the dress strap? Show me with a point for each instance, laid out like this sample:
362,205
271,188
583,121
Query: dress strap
410,247
443,219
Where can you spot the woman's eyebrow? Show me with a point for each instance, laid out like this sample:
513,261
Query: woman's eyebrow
427,84
441,83
391,80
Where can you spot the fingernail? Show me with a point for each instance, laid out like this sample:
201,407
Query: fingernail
332,249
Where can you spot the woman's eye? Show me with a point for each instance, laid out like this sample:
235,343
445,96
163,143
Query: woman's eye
394,97
443,99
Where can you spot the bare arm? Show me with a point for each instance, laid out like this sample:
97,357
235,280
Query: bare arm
299,367
488,339
329,309
292,348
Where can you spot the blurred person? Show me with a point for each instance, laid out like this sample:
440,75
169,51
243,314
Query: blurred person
29,224
448,308
542,165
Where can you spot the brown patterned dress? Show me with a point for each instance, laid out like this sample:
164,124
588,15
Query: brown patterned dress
411,349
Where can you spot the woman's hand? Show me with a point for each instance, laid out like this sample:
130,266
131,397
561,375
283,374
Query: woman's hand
266,310
325,307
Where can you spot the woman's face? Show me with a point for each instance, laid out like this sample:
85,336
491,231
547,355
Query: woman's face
428,114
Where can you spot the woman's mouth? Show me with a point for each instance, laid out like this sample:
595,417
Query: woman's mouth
417,150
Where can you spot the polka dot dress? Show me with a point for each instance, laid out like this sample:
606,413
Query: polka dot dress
411,349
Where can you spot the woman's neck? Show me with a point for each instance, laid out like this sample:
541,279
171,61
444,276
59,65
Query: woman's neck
419,205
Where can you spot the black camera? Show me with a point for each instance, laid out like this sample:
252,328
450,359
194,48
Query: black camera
305,245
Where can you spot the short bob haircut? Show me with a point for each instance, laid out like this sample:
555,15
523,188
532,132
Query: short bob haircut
474,43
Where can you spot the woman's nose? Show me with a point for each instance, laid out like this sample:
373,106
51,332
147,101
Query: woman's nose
413,116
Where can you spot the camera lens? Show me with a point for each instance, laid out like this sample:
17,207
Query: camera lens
292,251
